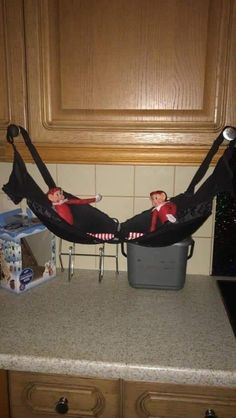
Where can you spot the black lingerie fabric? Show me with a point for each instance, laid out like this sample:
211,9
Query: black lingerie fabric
193,206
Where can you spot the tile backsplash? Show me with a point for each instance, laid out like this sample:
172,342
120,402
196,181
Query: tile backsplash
125,191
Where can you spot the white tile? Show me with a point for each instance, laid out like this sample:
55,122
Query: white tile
141,204
148,178
23,205
110,262
77,179
122,262
80,261
6,203
117,207
184,176
85,260
200,263
87,263
35,173
5,171
206,230
115,180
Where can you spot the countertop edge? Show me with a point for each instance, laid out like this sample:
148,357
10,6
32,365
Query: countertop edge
134,372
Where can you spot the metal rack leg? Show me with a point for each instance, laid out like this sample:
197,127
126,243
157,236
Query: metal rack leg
101,263
59,254
117,265
71,261
72,254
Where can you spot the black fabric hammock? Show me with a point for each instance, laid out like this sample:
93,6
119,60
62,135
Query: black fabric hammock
193,207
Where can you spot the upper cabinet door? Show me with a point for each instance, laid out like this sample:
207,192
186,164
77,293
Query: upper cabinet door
128,81
12,67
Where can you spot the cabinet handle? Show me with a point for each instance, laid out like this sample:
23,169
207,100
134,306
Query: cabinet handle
210,413
62,406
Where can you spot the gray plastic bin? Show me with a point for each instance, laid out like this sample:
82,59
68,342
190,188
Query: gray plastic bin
159,267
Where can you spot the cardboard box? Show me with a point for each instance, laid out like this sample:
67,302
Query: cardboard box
27,251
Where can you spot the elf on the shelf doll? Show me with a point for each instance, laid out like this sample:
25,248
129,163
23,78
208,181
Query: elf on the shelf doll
163,209
62,205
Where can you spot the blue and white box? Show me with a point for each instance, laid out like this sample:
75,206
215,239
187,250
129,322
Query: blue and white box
27,251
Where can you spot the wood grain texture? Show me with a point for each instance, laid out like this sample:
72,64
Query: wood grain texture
127,73
37,394
12,65
154,400
4,400
4,115
120,82
136,62
152,155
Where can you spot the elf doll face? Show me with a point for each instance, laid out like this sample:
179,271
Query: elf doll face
158,198
56,196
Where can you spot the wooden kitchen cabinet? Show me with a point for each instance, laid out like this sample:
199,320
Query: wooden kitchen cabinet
121,82
38,395
155,400
4,398
13,101
35,394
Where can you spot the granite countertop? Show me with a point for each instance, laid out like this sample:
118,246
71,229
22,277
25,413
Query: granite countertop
111,330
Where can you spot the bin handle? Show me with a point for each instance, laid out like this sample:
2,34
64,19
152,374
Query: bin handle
123,250
188,257
191,249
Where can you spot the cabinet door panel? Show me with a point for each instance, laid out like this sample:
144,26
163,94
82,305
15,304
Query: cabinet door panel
4,115
4,401
149,400
12,66
39,395
126,81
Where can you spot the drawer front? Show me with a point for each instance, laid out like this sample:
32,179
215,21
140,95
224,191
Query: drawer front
42,395
150,400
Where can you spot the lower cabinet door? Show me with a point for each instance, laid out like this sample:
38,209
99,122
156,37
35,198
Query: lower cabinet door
4,399
156,400
43,395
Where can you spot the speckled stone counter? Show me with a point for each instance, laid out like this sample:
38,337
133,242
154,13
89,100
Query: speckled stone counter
111,330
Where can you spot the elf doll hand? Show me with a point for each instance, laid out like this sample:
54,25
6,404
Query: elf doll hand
171,218
98,197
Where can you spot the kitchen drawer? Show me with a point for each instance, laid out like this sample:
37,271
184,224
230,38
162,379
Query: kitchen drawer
38,395
155,400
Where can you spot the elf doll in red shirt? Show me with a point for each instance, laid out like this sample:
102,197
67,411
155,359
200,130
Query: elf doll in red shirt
62,205
163,209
